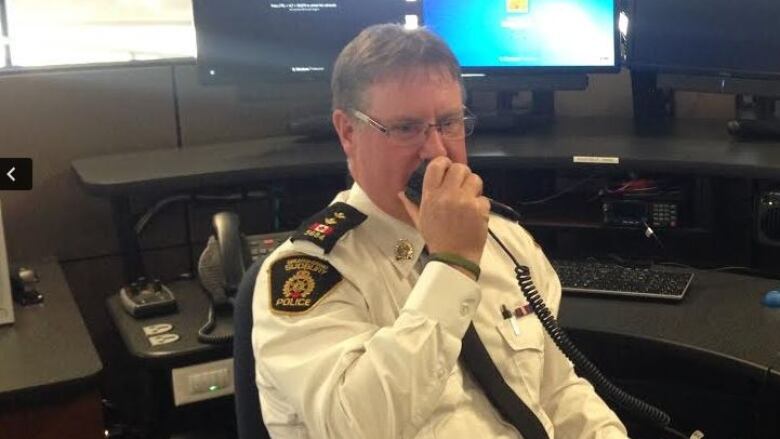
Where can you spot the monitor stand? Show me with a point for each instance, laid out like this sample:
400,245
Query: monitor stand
653,105
306,104
757,118
503,116
506,118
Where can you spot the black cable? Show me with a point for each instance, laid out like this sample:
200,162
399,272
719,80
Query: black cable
675,433
176,110
144,220
205,332
610,391
140,225
558,194
649,232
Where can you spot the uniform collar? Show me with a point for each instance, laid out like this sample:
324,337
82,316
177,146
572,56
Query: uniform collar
389,234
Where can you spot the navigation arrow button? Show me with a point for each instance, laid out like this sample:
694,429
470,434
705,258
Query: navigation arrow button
15,173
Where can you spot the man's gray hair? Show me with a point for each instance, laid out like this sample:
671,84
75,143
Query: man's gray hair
385,49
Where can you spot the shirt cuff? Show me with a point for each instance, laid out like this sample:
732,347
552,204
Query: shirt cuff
445,295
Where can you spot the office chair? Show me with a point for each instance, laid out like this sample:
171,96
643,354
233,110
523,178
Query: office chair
249,420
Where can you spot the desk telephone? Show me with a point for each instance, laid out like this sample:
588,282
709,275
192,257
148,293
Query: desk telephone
228,254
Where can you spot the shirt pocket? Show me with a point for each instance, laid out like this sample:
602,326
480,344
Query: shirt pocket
524,353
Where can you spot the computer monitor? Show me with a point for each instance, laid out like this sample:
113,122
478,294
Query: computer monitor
509,39
273,42
509,46
722,46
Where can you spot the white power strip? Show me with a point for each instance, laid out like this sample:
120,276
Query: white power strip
202,381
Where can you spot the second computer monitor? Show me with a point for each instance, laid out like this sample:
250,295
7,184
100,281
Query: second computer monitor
516,37
708,37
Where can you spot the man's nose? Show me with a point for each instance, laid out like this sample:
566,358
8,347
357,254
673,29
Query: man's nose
433,146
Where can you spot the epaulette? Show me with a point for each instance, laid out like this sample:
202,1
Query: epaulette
298,282
329,225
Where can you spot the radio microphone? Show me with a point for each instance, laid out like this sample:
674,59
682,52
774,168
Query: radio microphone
414,193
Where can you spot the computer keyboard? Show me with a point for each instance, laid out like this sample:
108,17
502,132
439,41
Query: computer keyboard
592,277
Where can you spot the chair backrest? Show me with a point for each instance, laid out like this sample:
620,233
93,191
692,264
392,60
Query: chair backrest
249,420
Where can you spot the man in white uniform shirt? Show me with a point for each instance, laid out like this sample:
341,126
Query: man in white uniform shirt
352,337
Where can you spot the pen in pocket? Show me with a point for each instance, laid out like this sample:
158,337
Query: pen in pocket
507,315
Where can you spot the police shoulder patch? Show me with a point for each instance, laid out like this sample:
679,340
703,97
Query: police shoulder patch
329,225
298,282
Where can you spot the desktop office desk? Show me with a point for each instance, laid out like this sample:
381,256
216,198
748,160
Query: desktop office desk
721,317
154,410
49,368
700,146
691,147
192,313
720,325
720,341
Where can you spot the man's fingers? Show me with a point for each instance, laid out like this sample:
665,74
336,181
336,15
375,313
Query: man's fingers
473,185
435,172
455,176
484,206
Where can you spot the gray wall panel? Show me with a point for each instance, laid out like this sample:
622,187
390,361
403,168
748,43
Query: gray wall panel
211,114
57,117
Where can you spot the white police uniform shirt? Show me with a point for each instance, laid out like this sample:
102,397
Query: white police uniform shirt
377,356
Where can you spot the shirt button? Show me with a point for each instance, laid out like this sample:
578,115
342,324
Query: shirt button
441,373
465,308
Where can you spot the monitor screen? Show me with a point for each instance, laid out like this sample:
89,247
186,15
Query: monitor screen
246,41
709,37
524,35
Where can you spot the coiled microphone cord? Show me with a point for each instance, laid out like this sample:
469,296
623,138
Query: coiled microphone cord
606,388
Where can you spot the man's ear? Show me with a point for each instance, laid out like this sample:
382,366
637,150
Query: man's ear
345,128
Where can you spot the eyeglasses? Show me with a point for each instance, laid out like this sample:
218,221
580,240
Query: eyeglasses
413,133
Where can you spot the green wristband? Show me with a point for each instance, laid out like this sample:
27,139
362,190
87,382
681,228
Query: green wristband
458,261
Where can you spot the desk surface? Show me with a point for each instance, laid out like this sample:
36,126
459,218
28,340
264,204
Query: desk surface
721,316
48,347
703,146
192,313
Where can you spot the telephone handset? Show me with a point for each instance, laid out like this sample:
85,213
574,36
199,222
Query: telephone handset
223,263
220,268
225,258
643,411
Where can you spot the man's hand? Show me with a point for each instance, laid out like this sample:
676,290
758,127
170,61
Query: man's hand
453,214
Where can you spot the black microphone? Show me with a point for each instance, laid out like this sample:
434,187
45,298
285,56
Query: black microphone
414,193
754,129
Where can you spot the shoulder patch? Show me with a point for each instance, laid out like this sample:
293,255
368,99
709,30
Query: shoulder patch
327,226
299,282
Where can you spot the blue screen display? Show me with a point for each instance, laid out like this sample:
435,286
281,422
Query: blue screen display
525,33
